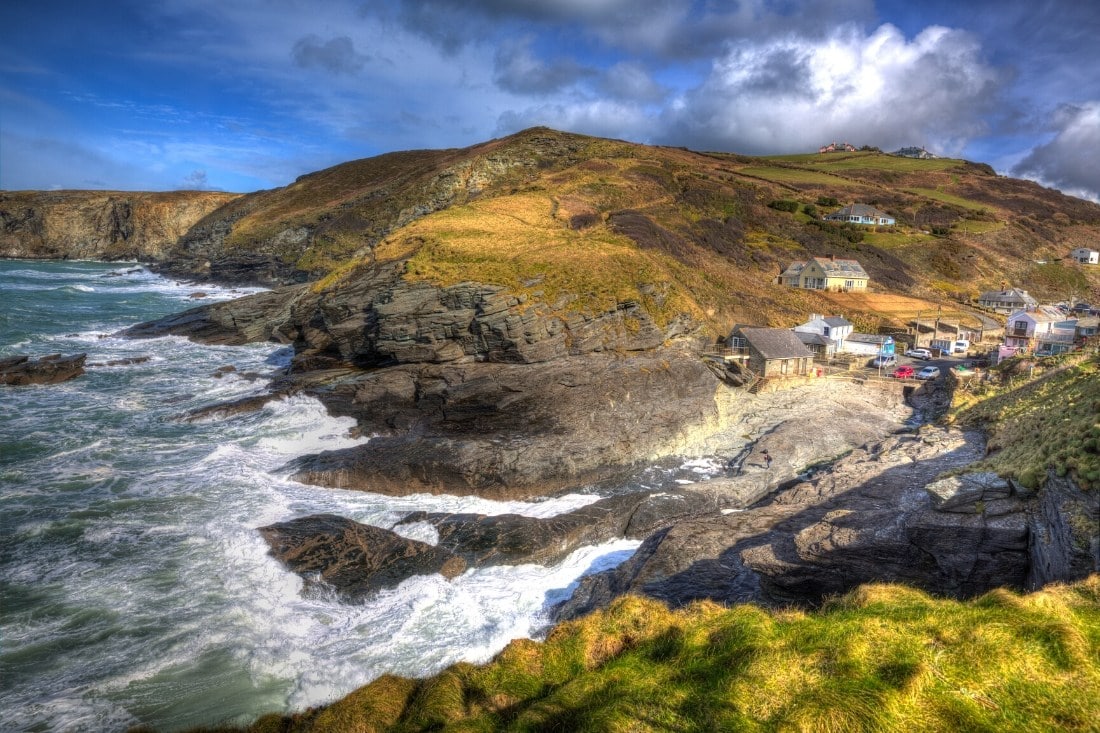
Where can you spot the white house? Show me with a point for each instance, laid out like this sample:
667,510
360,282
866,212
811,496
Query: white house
826,273
862,214
865,344
833,330
1086,256
1042,329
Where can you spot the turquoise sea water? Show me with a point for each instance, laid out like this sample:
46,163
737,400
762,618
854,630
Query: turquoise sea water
134,588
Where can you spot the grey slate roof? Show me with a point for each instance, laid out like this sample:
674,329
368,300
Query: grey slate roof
775,343
1010,296
813,339
837,321
841,268
858,210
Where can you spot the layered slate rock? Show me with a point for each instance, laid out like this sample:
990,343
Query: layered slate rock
51,369
868,518
356,560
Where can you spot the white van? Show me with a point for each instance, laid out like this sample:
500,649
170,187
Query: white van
961,347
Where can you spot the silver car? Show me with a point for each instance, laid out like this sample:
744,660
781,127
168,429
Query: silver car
928,372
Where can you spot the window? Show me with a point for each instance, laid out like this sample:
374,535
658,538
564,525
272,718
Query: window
849,284
825,331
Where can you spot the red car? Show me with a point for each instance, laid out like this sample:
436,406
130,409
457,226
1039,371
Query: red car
903,372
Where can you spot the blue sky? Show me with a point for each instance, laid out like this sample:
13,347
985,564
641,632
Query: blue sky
241,95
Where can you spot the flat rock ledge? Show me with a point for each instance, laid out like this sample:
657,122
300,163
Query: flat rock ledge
51,369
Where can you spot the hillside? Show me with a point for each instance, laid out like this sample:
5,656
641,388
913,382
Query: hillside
104,225
549,213
880,658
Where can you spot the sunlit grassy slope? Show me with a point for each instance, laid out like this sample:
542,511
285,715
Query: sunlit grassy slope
1044,416
882,658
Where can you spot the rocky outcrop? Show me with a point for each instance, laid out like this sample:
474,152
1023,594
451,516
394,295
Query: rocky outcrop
353,559
22,370
104,225
1064,524
868,518
512,430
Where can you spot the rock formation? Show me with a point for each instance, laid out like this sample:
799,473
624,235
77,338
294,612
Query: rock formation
875,515
353,559
21,370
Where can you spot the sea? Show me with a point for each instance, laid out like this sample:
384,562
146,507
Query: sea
135,589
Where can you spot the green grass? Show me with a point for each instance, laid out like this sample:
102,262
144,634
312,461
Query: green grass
975,226
794,176
1040,418
882,658
896,240
867,160
947,198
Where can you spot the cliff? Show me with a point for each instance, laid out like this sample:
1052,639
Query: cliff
100,225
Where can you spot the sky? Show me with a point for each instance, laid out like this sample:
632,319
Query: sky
242,95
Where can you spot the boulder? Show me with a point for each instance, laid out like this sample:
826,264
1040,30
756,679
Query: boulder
353,559
51,369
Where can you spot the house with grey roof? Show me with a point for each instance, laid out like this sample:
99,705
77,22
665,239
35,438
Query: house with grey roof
1085,256
862,214
773,352
824,335
826,273
1007,300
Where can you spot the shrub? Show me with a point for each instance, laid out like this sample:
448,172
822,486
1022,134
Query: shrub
784,205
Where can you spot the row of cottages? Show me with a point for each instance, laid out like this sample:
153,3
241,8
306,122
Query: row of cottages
1007,300
862,214
1085,256
1046,330
826,273
773,352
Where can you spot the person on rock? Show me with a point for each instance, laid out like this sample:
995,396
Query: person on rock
767,459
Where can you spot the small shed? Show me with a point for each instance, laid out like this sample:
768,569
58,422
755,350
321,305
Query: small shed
774,352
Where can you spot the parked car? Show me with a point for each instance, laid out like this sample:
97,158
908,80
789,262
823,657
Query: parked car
929,372
884,361
903,372
922,354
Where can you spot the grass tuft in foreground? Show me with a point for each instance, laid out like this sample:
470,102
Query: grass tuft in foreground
882,658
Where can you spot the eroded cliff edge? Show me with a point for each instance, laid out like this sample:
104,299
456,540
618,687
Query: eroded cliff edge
100,225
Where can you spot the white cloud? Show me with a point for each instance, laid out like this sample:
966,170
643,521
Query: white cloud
879,89
1071,160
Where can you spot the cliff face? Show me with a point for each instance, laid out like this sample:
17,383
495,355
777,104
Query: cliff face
105,225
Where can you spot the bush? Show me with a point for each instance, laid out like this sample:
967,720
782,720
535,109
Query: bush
784,205
809,210
827,201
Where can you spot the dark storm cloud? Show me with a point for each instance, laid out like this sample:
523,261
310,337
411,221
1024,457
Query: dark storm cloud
1071,160
518,70
336,54
670,29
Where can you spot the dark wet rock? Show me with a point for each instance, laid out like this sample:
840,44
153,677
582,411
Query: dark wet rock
128,361
868,518
224,410
51,369
356,560
510,430
1064,524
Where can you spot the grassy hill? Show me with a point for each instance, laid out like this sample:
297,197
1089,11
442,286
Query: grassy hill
589,221
882,658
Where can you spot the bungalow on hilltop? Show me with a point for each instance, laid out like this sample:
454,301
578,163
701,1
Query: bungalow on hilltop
773,352
1007,300
835,147
862,214
826,273
914,152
